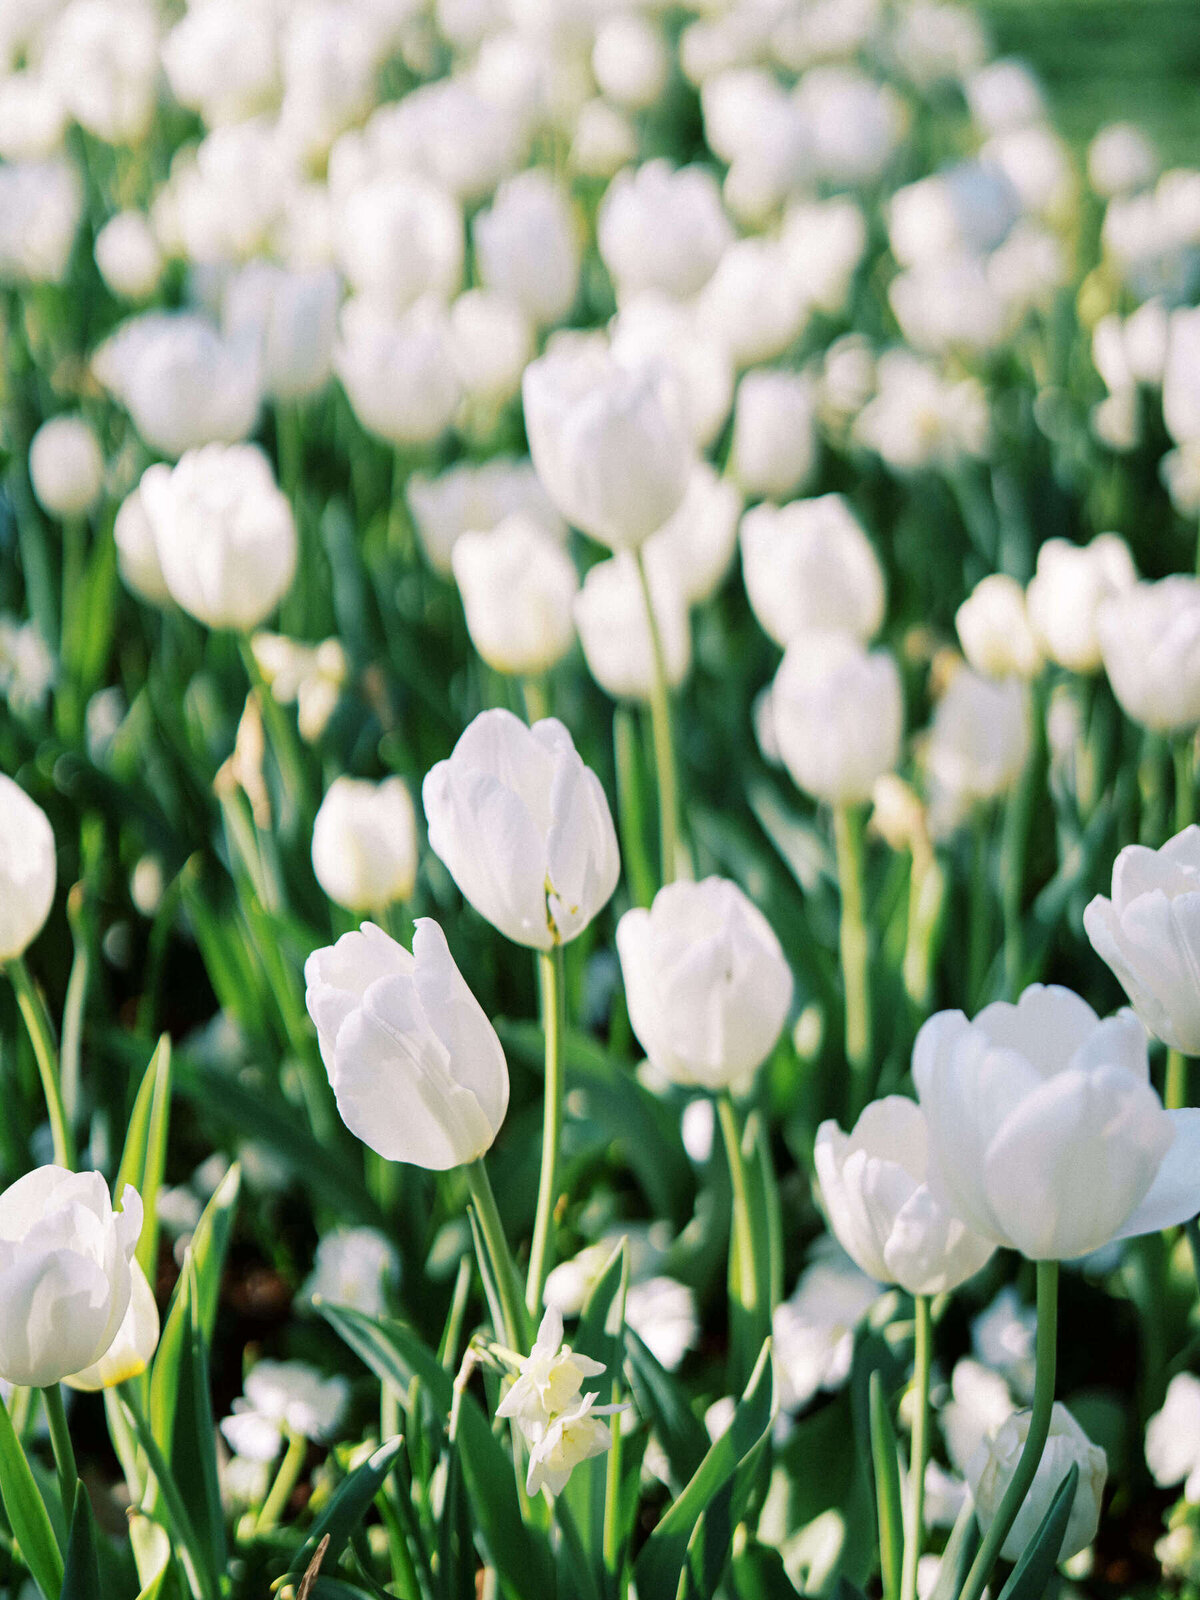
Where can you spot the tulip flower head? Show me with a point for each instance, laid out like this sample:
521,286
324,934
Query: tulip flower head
364,846
1045,1132
1173,1437
991,1469
524,829
838,714
27,869
136,1340
417,1070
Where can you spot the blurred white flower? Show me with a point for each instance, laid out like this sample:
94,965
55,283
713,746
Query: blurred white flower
809,565
281,1399
28,871
699,539
1181,377
137,551
33,118
1150,643
27,668
978,1407
1004,94
477,494
1120,158
66,467
662,1313
128,256
518,585
1067,591
614,630
527,246
1003,1338
993,1466
364,843
293,317
493,344
774,446
630,59
222,58
918,419
353,1267
311,676
41,203
400,236
662,228
838,715
814,1330
1173,1437
102,57
994,629
652,329
754,304
824,242
603,140
977,746
399,372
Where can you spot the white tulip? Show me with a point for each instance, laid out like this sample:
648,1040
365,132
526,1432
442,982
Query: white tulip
415,1066
630,60
754,304
699,539
27,870
66,467
662,228
706,983
603,140
398,372
284,1397
1004,94
774,445
293,317
41,203
1004,1338
824,242
662,1313
614,630
33,118
1045,1133
813,1331
653,329
102,56
493,344
1181,385
135,1342
1064,596
222,58
1120,158
978,1407
810,565
65,1272
353,1267
226,196
918,418
978,745
1149,933
838,715
1173,1437
523,828
137,552
517,585
472,495
225,535
1150,643
853,123
875,1183
991,1470
364,845
527,248
400,236
994,629
612,447
128,256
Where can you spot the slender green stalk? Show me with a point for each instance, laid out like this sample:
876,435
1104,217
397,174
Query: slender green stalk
537,701
285,741
1185,781
1035,1442
541,1255
64,1453
41,1036
979,892
854,946
286,1479
639,873
743,1225
1018,816
922,1361
516,1323
1176,1095
664,749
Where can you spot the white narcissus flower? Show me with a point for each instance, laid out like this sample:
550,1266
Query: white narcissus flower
415,1066
284,1398
614,630
1067,591
28,869
364,844
991,1470
573,1436
225,534
706,982
548,1379
612,446
1045,1132
875,1183
1173,1437
135,1342
518,585
1149,933
524,828
995,632
66,467
1150,642
65,1272
838,716
809,565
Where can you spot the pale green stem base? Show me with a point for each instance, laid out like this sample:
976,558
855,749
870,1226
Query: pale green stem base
1035,1442
664,749
286,1479
1185,781
550,972
41,1036
854,948
1176,1087
64,1453
922,1362
743,1229
516,1323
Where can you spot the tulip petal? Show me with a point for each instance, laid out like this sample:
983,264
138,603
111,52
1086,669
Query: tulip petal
459,1021
1174,1196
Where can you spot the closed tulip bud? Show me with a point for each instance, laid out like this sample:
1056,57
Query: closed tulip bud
493,344
364,846
401,237
41,203
774,433
65,1272
27,869
630,60
398,372
1045,1133
604,140
66,467
978,744
523,828
614,630
415,1066
662,228
225,535
527,247
137,552
1066,593
611,446
991,1469
136,1341
700,538
1120,158
1149,933
838,716
1181,385
995,632
706,983
293,318
472,495
875,1183
1150,643
809,565
128,256
653,328
517,585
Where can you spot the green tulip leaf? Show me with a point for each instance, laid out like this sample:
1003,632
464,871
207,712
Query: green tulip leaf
958,1555
885,1456
347,1508
661,1399
1031,1576
81,1574
27,1514
144,1157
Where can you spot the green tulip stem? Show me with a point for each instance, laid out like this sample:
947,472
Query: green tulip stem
41,1035
512,1307
535,699
286,1479
1035,1442
1176,1095
854,948
282,734
541,1255
64,1453
922,1362
664,748
1185,781
743,1226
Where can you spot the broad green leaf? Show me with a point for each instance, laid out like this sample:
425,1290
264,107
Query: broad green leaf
347,1508
144,1157
202,1580
957,1556
759,1574
886,1460
1031,1576
27,1514
734,1456
193,1445
662,1400
81,1574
